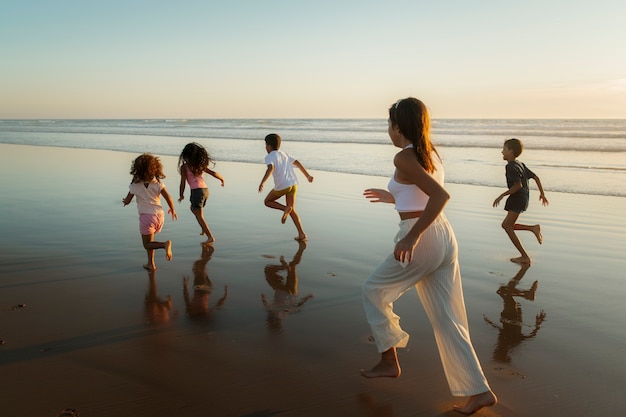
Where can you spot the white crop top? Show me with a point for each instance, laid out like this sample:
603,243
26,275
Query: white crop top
408,197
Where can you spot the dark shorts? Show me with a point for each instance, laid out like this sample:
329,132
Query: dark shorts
517,203
199,197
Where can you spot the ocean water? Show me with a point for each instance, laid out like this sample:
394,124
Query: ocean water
570,156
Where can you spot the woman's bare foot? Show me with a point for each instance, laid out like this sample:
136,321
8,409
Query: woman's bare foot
521,260
286,214
149,267
168,250
476,402
300,238
536,229
209,241
388,367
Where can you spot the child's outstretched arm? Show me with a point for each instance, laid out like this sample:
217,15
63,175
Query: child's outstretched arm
215,175
183,179
516,187
170,203
542,195
129,197
268,172
222,300
304,171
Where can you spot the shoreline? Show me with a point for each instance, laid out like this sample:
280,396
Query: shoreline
597,171
97,335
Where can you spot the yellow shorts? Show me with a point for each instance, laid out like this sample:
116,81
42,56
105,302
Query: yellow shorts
286,191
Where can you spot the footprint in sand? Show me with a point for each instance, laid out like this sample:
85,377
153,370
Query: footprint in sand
367,339
508,372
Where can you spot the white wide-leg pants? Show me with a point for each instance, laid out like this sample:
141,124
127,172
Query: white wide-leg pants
435,273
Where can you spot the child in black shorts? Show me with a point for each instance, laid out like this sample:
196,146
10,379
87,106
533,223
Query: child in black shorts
517,175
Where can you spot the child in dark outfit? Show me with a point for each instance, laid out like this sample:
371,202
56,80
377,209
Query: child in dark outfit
517,175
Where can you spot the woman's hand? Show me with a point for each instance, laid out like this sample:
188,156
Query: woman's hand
377,195
403,251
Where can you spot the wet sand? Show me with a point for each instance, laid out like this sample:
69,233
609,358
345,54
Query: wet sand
268,327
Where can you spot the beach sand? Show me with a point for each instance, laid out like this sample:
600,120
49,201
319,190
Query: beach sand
85,327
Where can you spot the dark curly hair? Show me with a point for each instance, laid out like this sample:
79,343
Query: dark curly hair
412,118
146,167
196,157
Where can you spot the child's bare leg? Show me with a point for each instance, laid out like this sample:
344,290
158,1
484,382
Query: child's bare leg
168,250
476,402
151,245
296,220
387,367
288,210
291,202
508,224
270,201
203,225
150,266
536,229
147,240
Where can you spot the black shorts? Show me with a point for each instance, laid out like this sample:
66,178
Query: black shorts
199,197
517,203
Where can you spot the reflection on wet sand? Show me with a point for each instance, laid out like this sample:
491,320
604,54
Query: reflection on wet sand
156,309
197,306
511,329
286,300
371,408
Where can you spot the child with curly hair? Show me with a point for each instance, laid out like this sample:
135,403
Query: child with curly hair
146,184
193,162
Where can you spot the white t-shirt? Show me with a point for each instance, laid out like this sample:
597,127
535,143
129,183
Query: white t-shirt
284,174
148,198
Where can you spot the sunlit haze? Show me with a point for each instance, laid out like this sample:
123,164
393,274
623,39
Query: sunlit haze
311,59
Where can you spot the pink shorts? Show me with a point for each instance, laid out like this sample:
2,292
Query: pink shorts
150,224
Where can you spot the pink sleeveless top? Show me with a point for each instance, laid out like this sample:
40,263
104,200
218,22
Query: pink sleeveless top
193,181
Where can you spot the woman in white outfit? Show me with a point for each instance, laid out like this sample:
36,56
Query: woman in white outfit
424,257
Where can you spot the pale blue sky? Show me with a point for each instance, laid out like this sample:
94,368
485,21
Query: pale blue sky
310,59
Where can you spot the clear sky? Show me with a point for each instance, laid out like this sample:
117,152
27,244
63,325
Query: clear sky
311,59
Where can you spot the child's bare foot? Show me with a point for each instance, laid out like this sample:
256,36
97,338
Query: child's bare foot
476,402
536,229
388,367
168,250
521,260
149,267
300,238
286,214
